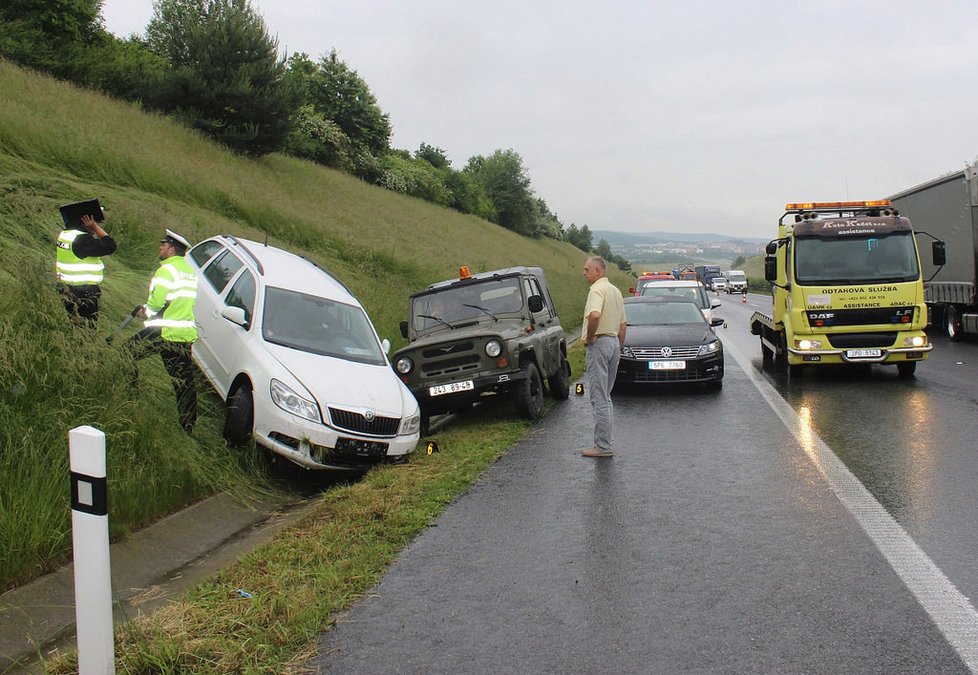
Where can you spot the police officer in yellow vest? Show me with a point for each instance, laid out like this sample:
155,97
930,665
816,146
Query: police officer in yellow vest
80,268
170,326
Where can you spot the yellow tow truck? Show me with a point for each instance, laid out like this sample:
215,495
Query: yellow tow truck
847,289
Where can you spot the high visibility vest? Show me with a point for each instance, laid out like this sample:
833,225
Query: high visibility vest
172,296
75,271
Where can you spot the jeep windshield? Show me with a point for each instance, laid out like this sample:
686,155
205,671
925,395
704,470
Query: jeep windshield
891,258
320,326
467,303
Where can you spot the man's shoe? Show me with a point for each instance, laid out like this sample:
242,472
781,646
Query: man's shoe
594,452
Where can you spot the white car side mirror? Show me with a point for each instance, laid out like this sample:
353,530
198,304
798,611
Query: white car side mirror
385,344
235,315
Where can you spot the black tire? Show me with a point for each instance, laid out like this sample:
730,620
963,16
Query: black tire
781,358
907,369
795,370
529,392
425,424
240,420
559,382
767,356
952,323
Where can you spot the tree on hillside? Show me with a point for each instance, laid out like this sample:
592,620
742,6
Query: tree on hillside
228,79
505,182
738,261
340,95
580,237
50,36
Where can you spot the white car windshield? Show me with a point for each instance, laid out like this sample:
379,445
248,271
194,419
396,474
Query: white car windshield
320,326
694,293
662,313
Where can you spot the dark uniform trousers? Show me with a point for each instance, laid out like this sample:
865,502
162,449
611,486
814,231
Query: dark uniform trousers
176,360
81,302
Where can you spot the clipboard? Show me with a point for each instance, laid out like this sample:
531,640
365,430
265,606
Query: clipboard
72,213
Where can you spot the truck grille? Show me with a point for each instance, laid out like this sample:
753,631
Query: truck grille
859,340
859,317
451,366
357,423
677,353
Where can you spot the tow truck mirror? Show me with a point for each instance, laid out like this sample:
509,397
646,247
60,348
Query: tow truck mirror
404,326
939,253
771,266
772,247
535,303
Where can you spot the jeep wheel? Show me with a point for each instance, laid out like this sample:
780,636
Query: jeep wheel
529,392
559,382
240,419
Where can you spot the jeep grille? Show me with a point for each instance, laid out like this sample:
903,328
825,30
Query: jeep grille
352,421
445,350
451,366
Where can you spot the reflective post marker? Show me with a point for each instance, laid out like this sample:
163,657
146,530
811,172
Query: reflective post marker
90,544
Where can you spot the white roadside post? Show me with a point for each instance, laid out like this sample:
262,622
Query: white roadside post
90,544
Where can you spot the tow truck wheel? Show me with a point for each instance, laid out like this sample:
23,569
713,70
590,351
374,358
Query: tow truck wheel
529,393
781,357
767,356
906,370
952,323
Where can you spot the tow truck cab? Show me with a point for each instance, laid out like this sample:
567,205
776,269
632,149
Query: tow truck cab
847,288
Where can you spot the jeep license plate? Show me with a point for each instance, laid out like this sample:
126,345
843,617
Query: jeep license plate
667,365
440,389
863,353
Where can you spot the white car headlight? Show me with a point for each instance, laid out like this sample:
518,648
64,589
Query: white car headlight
410,425
709,348
494,348
404,365
285,398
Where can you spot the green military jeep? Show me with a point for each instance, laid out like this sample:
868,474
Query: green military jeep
487,334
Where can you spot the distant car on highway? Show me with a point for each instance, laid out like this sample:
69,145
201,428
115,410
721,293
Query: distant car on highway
668,341
684,288
296,359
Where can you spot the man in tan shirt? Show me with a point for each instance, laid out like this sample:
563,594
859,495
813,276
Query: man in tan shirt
603,334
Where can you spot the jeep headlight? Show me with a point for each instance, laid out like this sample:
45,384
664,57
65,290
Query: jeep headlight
285,398
808,344
494,348
404,365
709,348
410,425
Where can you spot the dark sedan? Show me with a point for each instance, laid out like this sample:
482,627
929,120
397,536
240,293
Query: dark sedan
668,340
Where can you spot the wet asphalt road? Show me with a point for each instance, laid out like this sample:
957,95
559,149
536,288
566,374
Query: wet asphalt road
711,542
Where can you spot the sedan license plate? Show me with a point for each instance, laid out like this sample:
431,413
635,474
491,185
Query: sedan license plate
360,448
440,389
863,353
667,365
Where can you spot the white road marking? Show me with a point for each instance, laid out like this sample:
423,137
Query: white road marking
949,609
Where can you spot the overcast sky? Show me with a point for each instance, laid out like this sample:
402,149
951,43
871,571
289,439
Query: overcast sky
673,115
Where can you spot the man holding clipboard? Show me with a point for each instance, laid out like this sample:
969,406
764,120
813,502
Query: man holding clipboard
80,269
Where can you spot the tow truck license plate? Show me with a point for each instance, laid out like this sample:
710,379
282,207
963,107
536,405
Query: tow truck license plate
440,389
863,353
667,365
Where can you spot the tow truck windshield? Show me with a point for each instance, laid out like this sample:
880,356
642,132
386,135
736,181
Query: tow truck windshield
890,258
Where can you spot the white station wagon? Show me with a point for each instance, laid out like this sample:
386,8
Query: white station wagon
296,359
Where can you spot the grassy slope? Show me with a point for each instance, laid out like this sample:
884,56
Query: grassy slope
59,144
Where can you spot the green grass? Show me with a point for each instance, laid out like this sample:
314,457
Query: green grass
60,144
